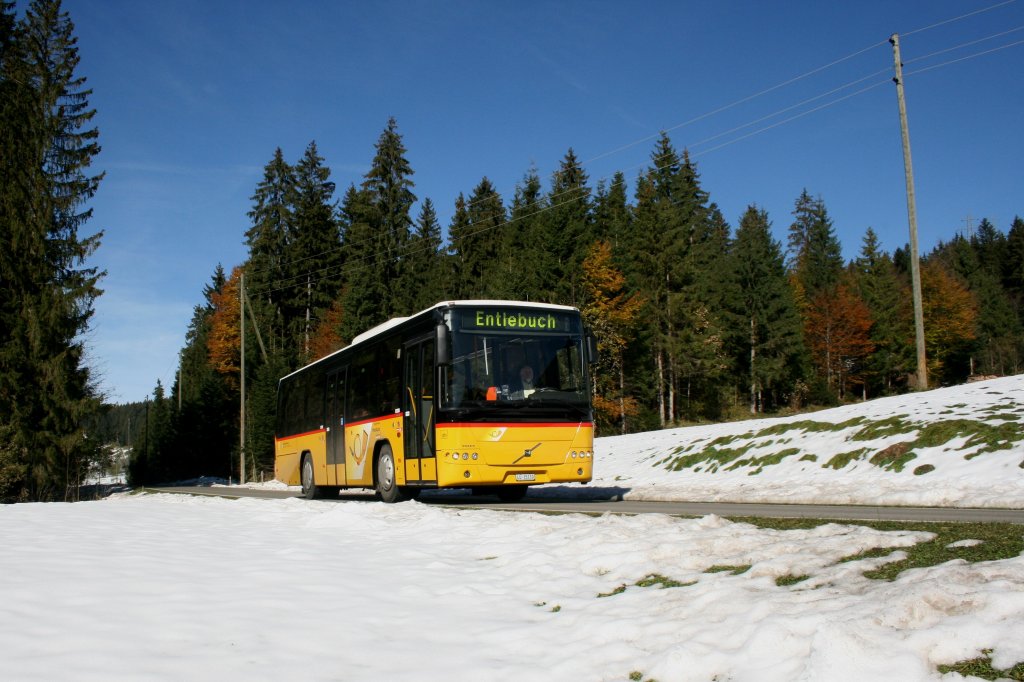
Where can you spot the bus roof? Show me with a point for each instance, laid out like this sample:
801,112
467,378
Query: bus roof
373,332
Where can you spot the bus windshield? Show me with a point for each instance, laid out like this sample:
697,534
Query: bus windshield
509,366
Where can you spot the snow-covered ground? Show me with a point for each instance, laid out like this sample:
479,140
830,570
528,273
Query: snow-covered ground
162,587
963,471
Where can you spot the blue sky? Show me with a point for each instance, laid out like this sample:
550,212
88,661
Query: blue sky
193,97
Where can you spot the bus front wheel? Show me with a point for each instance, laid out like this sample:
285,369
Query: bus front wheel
387,481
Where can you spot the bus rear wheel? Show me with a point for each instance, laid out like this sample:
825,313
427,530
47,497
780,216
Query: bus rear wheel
387,481
310,490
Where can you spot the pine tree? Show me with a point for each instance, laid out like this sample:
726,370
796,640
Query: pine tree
816,264
460,253
654,257
479,245
815,256
425,261
389,183
887,298
314,255
567,230
612,214
46,147
766,329
269,241
526,266
364,289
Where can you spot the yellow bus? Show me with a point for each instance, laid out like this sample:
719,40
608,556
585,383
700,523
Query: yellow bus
488,395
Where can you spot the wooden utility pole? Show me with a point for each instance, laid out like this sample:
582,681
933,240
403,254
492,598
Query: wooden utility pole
915,265
241,412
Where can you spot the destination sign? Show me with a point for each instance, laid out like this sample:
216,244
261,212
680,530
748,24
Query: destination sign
516,320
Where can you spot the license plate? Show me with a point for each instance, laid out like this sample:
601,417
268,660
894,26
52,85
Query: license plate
526,477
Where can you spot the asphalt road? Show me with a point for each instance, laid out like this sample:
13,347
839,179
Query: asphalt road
609,500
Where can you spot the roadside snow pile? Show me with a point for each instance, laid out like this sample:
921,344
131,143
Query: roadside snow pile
958,447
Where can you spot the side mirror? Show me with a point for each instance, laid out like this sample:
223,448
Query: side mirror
591,349
442,346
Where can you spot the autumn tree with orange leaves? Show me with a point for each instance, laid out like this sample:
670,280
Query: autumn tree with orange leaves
612,314
224,342
837,327
950,314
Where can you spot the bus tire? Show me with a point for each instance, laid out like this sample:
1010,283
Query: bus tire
310,490
387,479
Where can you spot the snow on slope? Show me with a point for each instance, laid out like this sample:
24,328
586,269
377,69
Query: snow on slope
825,457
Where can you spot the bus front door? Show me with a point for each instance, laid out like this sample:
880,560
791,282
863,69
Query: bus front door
420,459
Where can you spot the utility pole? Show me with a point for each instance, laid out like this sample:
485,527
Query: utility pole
915,265
241,412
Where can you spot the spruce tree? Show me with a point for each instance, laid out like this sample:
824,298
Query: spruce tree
567,230
364,288
269,241
816,258
314,257
612,214
459,251
481,273
46,148
526,265
389,184
766,329
887,298
425,261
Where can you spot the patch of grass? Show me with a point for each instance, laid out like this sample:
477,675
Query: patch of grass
556,608
982,667
735,570
787,580
618,590
765,460
843,458
998,541
924,469
649,581
894,457
637,676
873,553
809,458
657,579
712,455
892,426
810,426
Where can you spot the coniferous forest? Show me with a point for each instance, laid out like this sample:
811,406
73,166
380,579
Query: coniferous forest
697,319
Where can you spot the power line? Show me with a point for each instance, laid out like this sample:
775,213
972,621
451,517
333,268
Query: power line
962,16
963,59
403,251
